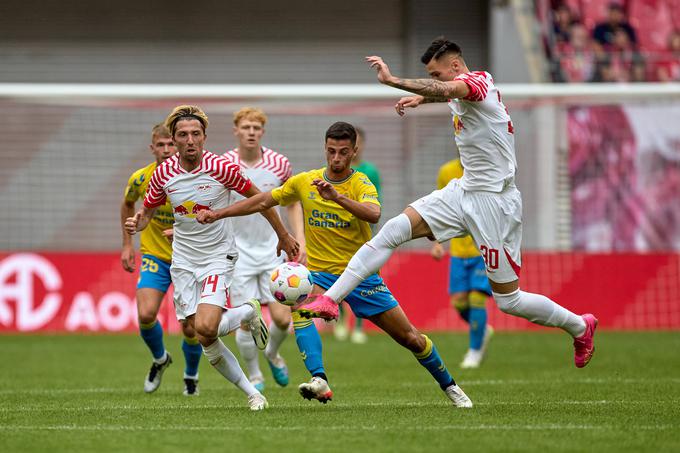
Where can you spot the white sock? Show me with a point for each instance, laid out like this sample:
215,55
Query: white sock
540,310
248,349
226,364
371,256
162,359
232,318
276,337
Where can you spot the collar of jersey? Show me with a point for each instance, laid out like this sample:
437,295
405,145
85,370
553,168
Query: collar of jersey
338,182
240,162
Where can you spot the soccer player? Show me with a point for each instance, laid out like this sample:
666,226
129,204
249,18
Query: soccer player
339,203
341,328
203,256
154,275
256,244
468,286
484,203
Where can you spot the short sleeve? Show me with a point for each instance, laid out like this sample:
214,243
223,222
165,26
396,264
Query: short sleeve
477,85
155,194
133,188
365,190
288,192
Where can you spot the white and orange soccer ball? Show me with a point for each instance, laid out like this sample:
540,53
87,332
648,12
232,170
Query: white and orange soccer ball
290,283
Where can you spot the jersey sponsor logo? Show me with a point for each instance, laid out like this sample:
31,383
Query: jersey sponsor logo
375,290
190,209
369,196
326,220
312,196
203,187
139,181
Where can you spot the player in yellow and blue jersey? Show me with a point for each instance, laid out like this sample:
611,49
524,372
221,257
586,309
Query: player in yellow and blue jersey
469,287
154,275
339,204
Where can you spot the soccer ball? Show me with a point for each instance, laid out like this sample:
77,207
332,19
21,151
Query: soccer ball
290,283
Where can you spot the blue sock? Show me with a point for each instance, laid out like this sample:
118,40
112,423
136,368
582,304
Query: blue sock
477,327
309,344
152,334
433,363
465,314
192,355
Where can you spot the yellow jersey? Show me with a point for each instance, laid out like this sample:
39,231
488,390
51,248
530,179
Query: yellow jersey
152,241
332,234
460,247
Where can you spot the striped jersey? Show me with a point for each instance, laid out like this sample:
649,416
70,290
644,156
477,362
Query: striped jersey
208,186
255,238
484,134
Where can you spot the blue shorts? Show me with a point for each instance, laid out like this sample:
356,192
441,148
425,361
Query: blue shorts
468,274
155,273
370,298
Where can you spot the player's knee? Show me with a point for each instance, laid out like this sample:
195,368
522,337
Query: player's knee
507,303
414,341
459,301
188,330
477,299
206,330
146,317
395,232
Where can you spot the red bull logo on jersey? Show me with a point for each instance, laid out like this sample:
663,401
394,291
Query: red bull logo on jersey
190,209
458,125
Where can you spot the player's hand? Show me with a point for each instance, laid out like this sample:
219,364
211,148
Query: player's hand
127,259
437,251
302,255
206,216
169,234
326,189
290,245
408,102
131,224
377,63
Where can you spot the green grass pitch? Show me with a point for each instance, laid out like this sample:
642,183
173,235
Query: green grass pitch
84,393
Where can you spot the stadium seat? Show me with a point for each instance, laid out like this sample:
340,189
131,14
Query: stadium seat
653,22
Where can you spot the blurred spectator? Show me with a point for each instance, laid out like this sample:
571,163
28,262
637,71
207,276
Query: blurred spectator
626,62
604,32
563,19
668,66
577,62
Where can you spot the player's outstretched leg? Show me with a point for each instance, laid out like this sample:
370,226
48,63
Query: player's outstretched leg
397,325
227,365
543,311
309,344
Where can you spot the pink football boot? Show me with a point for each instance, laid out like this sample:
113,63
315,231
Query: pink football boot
583,345
318,306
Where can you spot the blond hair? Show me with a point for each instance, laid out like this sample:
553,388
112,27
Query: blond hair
159,130
185,112
250,113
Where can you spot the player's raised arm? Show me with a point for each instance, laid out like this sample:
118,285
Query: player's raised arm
257,202
369,212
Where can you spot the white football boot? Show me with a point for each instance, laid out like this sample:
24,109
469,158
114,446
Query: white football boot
258,328
257,402
153,379
458,396
317,388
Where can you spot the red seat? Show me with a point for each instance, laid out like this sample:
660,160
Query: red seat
653,22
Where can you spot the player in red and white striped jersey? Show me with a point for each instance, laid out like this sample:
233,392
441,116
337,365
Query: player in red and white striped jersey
203,256
485,203
256,243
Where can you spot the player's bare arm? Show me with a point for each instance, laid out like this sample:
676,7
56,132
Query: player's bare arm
139,221
295,219
127,256
431,90
369,212
256,203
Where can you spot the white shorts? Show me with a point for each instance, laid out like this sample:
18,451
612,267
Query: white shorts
493,219
247,286
208,284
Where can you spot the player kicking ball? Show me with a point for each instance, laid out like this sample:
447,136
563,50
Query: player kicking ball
339,204
484,203
203,256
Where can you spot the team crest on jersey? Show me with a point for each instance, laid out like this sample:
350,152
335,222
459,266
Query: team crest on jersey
312,196
457,124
